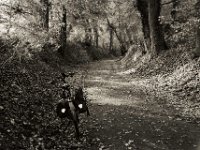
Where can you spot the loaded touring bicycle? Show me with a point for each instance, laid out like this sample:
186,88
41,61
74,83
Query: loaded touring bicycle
73,101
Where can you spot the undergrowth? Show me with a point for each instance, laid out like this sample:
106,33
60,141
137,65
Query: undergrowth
29,91
172,76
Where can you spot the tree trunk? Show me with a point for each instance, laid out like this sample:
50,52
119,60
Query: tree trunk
110,26
88,36
128,33
123,47
142,6
197,50
45,14
96,37
111,40
63,33
196,53
157,38
175,4
88,33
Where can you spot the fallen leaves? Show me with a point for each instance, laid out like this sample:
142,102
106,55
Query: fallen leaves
27,109
1,108
129,143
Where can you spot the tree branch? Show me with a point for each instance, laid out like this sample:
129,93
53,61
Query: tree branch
172,1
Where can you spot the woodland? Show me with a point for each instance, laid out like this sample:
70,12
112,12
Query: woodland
141,65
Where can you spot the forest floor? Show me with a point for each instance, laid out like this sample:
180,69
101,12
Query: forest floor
123,117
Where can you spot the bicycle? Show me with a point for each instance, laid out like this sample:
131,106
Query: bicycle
73,101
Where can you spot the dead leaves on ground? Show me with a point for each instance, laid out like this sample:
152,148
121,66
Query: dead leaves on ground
27,116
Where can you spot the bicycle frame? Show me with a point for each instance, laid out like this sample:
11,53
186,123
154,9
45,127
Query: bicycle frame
68,107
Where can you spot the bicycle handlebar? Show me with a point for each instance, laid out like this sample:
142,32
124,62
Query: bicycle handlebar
69,74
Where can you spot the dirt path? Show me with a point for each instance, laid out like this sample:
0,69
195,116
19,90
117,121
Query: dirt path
124,118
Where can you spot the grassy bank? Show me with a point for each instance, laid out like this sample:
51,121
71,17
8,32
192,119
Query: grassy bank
172,76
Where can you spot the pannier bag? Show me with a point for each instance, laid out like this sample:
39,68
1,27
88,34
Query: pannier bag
80,102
